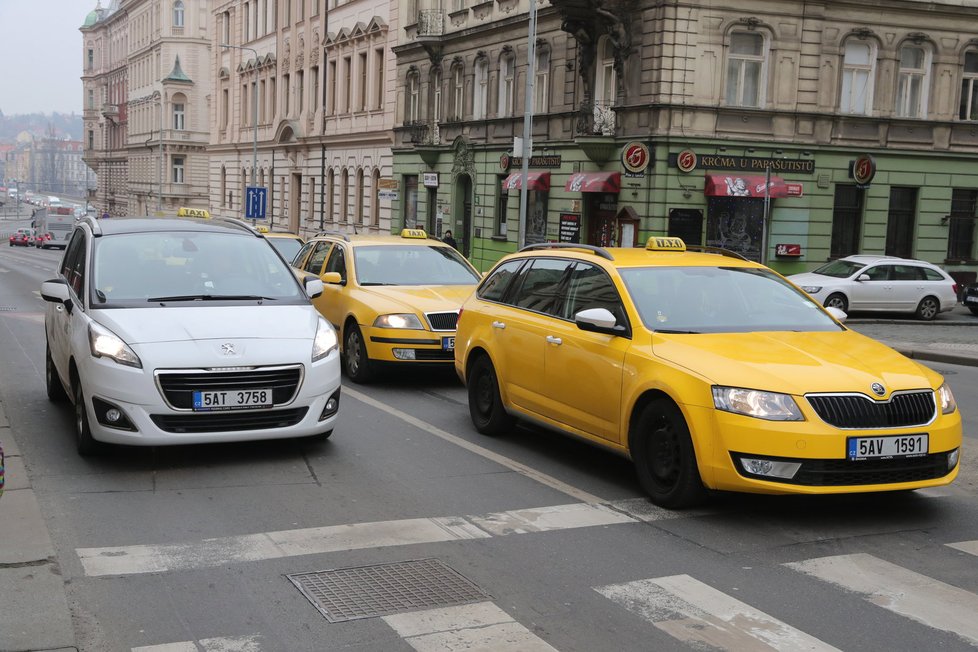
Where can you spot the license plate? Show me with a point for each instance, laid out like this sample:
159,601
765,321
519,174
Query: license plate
971,299
232,400
448,343
864,448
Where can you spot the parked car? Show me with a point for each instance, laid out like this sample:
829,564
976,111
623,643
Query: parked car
708,370
180,331
881,284
287,244
969,297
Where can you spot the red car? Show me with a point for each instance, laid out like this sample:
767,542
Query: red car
20,240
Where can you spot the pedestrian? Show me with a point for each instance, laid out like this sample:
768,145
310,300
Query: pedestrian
449,240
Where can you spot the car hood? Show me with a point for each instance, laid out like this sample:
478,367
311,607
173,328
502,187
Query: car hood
176,324
794,363
815,279
428,298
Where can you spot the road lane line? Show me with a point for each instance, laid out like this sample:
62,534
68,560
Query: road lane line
221,644
897,589
970,547
509,463
702,617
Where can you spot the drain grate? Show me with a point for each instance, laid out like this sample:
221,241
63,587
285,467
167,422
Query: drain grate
369,591
7,309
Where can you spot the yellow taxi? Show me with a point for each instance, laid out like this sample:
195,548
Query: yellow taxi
707,370
393,298
287,244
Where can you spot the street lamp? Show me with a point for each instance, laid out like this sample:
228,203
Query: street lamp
254,112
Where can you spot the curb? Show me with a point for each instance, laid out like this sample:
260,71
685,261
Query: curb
937,356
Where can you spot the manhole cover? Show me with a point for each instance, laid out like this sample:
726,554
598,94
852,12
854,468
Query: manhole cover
370,591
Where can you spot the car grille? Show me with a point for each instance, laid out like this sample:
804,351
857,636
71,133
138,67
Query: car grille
178,386
229,421
859,411
442,321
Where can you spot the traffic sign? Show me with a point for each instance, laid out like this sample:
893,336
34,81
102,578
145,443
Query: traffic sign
255,202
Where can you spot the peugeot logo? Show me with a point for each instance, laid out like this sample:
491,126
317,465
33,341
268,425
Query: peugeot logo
228,349
878,389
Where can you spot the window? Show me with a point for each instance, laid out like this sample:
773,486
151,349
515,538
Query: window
330,193
179,116
540,290
358,189
315,8
90,59
413,99
375,197
410,200
379,83
589,287
337,262
314,97
745,69
331,88
480,89
345,195
300,89
301,9
91,139
494,289
224,108
262,100
912,82
244,104
605,83
858,69
246,21
847,213
225,200
178,169
91,99
314,264
507,72
969,87
311,198
541,83
362,90
458,93
502,202
272,98
286,104
436,96
73,264
900,222
226,27
347,84
961,232
178,13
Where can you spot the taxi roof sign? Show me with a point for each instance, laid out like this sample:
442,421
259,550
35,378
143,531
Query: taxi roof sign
659,243
193,212
414,233
261,228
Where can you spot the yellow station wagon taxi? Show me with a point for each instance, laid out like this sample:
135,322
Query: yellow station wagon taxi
708,370
393,299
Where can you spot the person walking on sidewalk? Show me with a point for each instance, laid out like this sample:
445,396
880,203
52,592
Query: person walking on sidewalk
449,240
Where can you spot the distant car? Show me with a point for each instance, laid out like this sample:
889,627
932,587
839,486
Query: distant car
287,244
970,298
20,240
42,240
881,284
181,331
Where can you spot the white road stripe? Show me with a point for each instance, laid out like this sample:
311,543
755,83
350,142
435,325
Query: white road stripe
479,626
511,464
126,560
705,618
970,547
918,597
223,644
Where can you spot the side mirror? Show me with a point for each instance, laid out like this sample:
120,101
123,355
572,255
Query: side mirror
332,278
863,277
56,291
314,286
838,314
598,320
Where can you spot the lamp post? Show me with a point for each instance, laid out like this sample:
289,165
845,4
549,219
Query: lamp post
531,43
254,112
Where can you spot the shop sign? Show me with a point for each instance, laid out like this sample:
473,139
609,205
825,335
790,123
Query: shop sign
635,159
550,161
387,184
863,170
430,179
390,195
687,160
570,228
787,250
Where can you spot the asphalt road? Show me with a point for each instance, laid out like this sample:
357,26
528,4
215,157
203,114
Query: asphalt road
190,547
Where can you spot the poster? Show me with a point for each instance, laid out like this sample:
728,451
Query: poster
570,228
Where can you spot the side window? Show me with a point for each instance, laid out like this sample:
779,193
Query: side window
932,274
590,287
301,256
495,286
337,262
878,273
541,286
906,273
315,263
73,266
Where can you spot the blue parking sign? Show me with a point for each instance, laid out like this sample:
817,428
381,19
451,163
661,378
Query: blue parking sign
255,202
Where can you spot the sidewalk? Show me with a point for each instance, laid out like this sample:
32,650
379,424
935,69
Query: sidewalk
34,612
951,338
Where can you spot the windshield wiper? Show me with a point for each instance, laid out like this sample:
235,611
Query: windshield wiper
669,331
375,283
211,297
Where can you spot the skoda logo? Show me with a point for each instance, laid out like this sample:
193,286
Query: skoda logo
228,349
878,389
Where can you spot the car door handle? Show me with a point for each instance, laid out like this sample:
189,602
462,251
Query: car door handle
554,340
498,324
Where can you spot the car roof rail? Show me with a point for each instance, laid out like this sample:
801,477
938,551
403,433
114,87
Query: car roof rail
716,250
93,224
339,234
238,222
600,251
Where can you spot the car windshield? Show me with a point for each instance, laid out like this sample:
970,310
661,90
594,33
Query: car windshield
721,300
288,247
839,268
186,266
412,265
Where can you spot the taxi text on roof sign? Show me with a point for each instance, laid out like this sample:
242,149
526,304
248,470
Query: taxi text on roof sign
665,244
193,212
413,233
261,228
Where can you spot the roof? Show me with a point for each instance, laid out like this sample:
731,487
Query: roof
119,225
641,257
379,239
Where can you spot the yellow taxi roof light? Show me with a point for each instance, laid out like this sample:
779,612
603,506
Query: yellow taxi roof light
414,233
659,243
261,228
193,212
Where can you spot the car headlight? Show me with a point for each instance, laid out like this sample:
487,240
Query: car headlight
812,289
406,320
325,341
755,403
105,343
948,404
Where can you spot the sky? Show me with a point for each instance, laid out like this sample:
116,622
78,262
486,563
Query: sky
41,48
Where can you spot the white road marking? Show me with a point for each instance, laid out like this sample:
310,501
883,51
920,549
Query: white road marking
223,644
126,560
970,547
918,597
511,464
479,626
705,618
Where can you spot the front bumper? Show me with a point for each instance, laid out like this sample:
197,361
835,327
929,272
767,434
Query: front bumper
409,346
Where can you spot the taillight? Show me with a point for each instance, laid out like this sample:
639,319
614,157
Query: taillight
954,288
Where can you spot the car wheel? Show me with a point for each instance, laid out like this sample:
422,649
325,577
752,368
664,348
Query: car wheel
664,458
837,300
928,308
485,404
83,433
56,391
973,309
355,360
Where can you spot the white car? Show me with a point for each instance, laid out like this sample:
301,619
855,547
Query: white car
881,284
184,331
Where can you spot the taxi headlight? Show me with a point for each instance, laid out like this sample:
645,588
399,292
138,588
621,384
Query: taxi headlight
404,320
105,343
948,404
325,341
755,403
812,289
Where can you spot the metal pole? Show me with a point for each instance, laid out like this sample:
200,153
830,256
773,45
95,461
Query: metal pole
159,194
254,112
531,66
767,212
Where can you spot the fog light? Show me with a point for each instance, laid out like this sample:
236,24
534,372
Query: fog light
770,468
952,458
113,415
404,354
332,405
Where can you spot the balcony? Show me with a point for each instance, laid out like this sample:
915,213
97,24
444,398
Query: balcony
431,23
594,130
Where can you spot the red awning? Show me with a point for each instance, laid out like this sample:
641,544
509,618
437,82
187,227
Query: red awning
738,185
594,182
534,181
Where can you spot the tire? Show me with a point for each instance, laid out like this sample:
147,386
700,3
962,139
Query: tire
973,309
928,308
486,408
83,433
664,457
355,361
837,300
56,391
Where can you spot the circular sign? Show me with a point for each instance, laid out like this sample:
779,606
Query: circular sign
635,157
504,162
863,170
686,160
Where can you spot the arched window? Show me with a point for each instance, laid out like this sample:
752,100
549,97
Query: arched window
745,69
969,86
375,197
435,81
912,81
358,189
541,82
330,195
858,73
345,195
480,89
178,13
507,84
605,80
413,109
179,108
225,199
458,93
